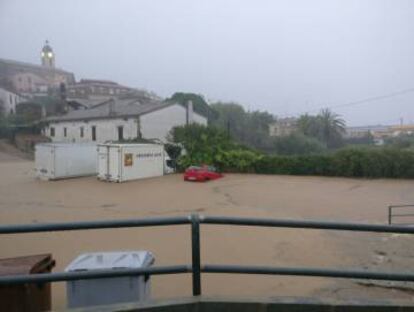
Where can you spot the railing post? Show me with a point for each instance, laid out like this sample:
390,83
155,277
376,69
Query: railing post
195,247
389,214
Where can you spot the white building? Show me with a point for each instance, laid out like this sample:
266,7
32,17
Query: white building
283,127
117,120
8,101
32,79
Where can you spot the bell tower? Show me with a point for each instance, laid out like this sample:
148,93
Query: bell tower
47,56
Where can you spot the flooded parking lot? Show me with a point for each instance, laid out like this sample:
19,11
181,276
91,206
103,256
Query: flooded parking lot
23,199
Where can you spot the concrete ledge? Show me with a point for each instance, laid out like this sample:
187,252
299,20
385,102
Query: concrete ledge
277,304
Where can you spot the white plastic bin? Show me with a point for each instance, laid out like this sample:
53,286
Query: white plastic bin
91,292
65,160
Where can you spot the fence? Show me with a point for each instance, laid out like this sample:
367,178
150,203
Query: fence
391,215
195,268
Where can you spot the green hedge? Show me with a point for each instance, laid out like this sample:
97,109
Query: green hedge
368,162
296,165
355,162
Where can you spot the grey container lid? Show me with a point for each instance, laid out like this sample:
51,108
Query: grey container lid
111,260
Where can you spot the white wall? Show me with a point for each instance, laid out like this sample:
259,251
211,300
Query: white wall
106,130
199,119
158,124
153,125
8,101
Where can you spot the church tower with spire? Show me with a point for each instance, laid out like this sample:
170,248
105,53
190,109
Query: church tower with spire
47,56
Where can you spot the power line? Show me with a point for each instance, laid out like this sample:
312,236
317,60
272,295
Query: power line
368,100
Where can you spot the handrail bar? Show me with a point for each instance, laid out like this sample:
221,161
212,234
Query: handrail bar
196,268
391,215
315,272
322,225
92,225
82,275
284,223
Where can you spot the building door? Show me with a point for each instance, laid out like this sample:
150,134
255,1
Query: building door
93,133
120,133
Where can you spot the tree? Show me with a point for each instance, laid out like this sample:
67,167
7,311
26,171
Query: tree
211,145
327,127
199,104
200,143
28,112
2,112
230,117
332,128
367,139
297,144
174,152
402,141
248,128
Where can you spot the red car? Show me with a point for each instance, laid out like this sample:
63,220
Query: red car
202,174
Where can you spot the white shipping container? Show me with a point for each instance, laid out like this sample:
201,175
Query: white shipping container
65,160
125,162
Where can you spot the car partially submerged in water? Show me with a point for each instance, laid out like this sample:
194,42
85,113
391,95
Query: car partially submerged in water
201,173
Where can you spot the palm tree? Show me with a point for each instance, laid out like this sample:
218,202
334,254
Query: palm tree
308,125
331,127
327,127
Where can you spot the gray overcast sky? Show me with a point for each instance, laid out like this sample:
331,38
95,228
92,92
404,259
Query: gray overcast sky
286,57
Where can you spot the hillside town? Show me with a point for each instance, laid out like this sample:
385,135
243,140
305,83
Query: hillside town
206,156
93,110
88,110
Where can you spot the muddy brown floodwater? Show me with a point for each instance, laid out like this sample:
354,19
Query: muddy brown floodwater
23,199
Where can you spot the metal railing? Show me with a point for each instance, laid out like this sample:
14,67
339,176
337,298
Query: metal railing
391,214
196,268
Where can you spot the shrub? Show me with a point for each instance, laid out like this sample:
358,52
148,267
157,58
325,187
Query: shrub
297,144
209,145
236,160
356,162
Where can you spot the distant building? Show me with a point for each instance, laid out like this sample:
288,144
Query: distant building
120,119
92,89
379,132
30,79
362,131
401,130
283,127
9,101
48,56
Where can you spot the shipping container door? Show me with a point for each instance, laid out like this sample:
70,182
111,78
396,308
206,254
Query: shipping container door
114,163
75,160
44,161
103,162
142,162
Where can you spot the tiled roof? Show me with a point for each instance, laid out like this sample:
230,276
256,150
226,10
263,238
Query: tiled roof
113,108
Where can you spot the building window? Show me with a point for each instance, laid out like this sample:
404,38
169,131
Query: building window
120,133
52,131
65,132
10,99
81,132
93,133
